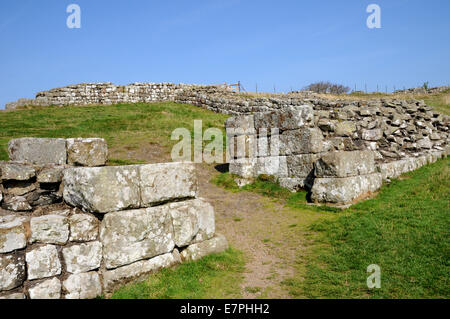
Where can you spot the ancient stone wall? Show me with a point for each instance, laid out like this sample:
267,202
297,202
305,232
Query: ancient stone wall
73,228
338,153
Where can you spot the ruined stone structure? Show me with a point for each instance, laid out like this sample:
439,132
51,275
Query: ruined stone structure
71,227
387,136
339,154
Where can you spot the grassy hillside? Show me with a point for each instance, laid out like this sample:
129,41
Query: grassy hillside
125,127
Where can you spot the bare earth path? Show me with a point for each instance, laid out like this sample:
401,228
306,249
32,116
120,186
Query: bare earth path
271,236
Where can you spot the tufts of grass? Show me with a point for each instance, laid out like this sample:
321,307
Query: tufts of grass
404,230
214,276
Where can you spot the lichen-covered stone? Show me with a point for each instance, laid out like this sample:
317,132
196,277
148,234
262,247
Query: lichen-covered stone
48,289
290,118
12,235
240,125
83,257
19,188
196,251
16,172
50,175
82,286
167,181
87,151
272,165
301,165
49,229
346,128
16,203
372,135
344,190
133,235
301,141
345,164
138,270
43,262
244,167
12,271
102,189
38,150
193,221
83,227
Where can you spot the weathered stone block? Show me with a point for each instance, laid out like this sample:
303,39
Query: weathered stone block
102,189
273,166
49,229
87,151
290,118
133,235
43,262
12,235
243,146
301,165
17,295
138,270
372,135
16,203
50,175
302,141
12,271
346,128
193,221
82,286
344,190
240,125
49,289
83,227
16,172
196,251
38,150
244,167
345,164
294,184
167,181
83,257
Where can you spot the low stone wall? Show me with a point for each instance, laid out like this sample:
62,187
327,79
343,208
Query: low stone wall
81,232
339,155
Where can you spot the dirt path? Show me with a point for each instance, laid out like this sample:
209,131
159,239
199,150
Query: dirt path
253,224
262,228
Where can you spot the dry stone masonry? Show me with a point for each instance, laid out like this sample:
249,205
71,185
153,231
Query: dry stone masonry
73,228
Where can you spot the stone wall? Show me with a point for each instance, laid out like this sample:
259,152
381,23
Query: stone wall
72,228
338,153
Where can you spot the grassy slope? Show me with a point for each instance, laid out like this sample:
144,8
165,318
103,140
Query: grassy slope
124,126
215,276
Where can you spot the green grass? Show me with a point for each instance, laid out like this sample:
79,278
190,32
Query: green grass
214,276
404,230
124,126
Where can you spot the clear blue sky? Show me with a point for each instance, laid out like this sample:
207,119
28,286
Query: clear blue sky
288,44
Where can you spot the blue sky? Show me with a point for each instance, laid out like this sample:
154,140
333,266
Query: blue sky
286,44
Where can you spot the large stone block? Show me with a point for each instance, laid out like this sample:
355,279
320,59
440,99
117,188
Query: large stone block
49,229
87,151
301,141
290,118
345,164
138,270
83,257
168,181
196,251
83,227
50,175
273,166
133,235
301,165
193,221
244,167
82,286
240,125
12,271
48,289
43,262
243,146
16,172
12,235
38,150
102,189
344,190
